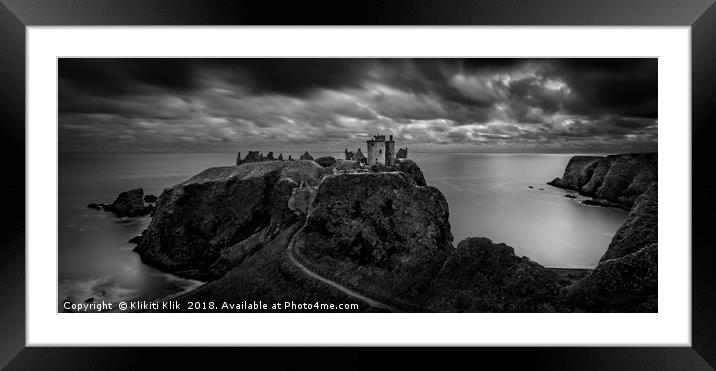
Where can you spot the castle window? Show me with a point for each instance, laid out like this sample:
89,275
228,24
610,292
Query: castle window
380,151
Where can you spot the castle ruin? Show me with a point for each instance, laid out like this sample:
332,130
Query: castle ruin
381,151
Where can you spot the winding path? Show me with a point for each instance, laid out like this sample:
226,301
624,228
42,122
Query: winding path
336,285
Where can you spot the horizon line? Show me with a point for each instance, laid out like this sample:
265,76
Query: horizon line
340,151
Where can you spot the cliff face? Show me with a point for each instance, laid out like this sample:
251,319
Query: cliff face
377,231
578,172
640,228
626,277
214,220
618,179
481,276
625,284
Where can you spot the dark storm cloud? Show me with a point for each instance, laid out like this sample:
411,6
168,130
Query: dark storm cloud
282,76
612,86
461,104
125,76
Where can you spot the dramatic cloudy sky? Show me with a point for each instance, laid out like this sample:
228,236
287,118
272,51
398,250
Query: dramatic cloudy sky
476,105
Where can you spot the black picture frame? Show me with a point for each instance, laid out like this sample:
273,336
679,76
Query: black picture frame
16,15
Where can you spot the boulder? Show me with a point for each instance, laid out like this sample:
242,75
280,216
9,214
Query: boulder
306,156
326,161
377,231
481,276
209,223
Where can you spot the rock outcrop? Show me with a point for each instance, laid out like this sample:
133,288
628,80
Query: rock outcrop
379,232
306,156
577,173
481,276
129,204
411,168
616,179
625,284
403,165
402,153
209,223
94,206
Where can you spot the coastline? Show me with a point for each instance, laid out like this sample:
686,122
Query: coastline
566,276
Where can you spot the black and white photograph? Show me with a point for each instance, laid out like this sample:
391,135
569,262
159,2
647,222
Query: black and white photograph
344,185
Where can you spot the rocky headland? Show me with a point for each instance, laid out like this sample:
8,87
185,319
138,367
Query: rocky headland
128,204
254,231
210,223
378,233
612,181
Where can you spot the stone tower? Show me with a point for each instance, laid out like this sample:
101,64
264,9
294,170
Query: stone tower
389,151
376,150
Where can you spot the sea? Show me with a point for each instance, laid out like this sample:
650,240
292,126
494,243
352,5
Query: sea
501,196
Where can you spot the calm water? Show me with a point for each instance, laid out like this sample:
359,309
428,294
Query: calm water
488,196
